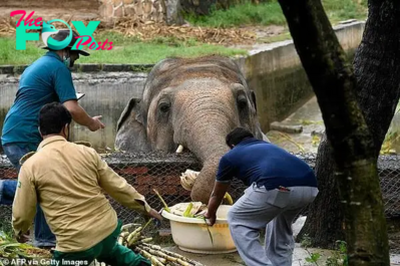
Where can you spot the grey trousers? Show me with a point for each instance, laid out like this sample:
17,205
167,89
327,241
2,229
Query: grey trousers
274,210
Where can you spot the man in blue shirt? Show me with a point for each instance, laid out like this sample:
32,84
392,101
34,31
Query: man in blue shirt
279,184
47,80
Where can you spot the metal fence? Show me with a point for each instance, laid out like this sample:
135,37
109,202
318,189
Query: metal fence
160,171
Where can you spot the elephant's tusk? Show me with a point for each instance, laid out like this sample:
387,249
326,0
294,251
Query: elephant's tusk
180,149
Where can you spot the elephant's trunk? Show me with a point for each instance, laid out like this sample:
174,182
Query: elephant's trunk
210,155
203,132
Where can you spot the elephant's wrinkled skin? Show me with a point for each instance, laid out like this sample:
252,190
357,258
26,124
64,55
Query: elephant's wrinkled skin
192,102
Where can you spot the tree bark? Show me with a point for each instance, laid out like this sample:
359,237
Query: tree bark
377,68
332,79
377,71
325,219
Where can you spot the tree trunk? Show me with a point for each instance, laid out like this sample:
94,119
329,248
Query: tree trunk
325,219
377,70
353,147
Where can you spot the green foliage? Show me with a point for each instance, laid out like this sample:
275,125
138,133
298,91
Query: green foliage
5,229
8,54
339,256
270,13
306,241
314,257
127,50
338,10
243,14
10,248
392,138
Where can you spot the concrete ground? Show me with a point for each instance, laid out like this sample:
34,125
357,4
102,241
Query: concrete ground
233,259
309,119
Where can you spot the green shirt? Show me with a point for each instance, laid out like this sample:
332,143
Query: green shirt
46,80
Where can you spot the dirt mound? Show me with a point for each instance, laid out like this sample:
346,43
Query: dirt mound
150,30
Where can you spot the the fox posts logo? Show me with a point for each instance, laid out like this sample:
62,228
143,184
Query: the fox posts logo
85,33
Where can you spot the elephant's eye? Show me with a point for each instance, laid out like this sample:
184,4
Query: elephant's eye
164,107
242,102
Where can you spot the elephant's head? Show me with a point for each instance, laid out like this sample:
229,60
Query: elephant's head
194,103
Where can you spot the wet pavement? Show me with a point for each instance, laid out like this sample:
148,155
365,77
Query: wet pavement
233,259
309,119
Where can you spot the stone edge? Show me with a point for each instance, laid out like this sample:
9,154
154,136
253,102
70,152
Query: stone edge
90,67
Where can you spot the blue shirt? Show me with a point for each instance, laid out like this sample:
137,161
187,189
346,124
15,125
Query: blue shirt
46,80
260,162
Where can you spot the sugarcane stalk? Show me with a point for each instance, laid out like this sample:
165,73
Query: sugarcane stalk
134,240
146,240
126,227
137,234
134,234
124,234
153,259
209,232
122,237
188,210
162,260
162,200
159,253
172,254
147,224
183,263
228,198
173,264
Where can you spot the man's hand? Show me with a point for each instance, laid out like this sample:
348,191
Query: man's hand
23,238
96,123
211,217
156,215
215,200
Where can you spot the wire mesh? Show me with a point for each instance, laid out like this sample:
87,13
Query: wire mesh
162,172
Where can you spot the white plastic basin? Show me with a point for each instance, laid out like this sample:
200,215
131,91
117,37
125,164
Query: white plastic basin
191,234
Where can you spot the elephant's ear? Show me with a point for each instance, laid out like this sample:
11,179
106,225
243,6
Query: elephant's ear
131,132
259,134
132,106
253,99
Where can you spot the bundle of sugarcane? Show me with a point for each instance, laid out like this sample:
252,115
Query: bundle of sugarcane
163,257
11,249
132,237
190,210
189,177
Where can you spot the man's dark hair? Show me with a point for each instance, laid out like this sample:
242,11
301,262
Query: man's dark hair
237,135
53,117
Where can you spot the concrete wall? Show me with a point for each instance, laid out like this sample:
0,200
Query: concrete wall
273,71
52,9
106,10
106,95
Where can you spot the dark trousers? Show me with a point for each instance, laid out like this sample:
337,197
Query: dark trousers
43,235
107,251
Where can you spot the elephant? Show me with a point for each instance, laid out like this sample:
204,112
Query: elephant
193,102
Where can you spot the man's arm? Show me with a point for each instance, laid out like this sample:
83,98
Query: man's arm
24,205
225,174
215,200
119,189
80,116
65,90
